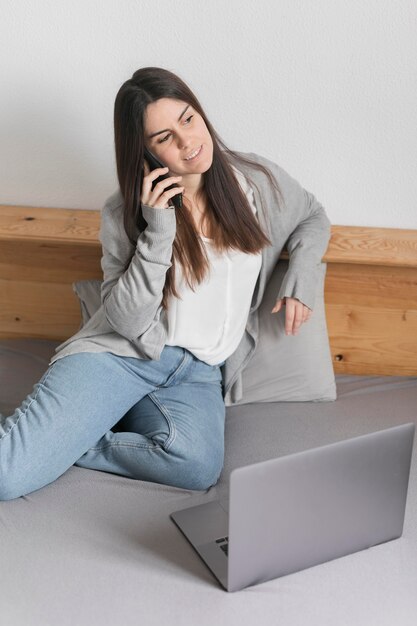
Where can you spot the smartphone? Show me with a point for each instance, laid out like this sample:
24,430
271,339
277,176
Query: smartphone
154,163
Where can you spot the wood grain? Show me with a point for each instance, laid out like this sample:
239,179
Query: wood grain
38,309
373,246
370,289
49,224
348,244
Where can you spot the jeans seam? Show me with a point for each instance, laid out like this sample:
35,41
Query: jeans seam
177,371
43,379
126,444
171,424
154,446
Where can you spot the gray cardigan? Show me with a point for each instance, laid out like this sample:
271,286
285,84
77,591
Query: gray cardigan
131,321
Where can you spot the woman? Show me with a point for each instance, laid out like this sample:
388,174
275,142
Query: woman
140,390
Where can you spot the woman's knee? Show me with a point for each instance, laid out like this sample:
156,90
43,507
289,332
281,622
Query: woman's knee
199,469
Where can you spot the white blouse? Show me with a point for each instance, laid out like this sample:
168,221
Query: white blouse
210,321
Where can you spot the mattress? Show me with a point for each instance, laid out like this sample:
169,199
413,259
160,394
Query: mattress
94,548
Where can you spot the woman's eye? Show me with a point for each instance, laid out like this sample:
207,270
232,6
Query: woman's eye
166,136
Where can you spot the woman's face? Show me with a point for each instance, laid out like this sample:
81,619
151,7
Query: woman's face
178,131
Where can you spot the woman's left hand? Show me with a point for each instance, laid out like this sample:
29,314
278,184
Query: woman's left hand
296,313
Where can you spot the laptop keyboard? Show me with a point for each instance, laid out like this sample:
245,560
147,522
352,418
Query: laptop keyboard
223,544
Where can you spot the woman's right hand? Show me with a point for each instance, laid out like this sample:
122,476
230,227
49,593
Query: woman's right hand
158,198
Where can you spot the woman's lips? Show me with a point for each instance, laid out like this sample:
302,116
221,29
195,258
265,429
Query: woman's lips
196,157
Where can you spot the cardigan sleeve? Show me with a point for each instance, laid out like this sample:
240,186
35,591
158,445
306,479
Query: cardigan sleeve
305,219
131,297
306,246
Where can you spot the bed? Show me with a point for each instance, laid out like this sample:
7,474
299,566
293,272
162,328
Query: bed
96,548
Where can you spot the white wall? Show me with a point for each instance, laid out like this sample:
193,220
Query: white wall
325,88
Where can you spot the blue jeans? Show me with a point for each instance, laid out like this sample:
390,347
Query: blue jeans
159,421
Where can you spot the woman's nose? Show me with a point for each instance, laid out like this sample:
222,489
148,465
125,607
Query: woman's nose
183,141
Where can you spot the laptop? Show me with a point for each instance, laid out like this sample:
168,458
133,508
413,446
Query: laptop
290,513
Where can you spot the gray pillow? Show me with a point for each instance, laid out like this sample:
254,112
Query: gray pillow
293,368
282,368
22,363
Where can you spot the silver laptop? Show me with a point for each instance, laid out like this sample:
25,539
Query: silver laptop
296,511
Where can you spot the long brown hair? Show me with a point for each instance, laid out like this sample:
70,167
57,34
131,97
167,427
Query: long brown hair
229,219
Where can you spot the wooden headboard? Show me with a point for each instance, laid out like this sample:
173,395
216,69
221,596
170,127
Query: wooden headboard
370,292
